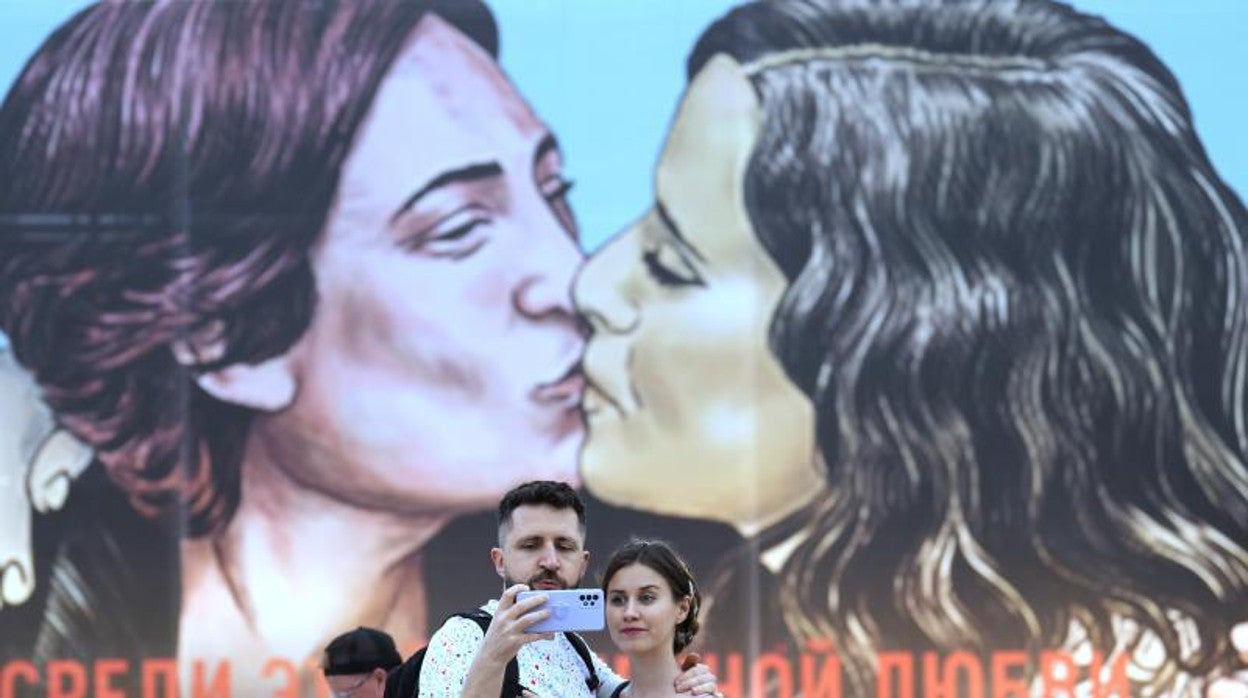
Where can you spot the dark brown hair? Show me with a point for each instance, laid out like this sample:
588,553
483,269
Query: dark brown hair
165,169
557,495
1017,300
663,559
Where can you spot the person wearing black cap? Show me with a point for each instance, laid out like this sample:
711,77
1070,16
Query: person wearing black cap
356,663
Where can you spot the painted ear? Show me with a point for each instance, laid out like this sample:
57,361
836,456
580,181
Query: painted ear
61,458
268,386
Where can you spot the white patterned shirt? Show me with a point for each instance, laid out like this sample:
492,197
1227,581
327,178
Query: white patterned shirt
548,668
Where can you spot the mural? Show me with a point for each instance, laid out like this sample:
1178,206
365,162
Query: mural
928,349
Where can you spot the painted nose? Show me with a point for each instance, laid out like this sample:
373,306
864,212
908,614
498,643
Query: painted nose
545,289
600,290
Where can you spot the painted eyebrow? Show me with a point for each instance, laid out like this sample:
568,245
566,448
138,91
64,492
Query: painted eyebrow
466,174
675,230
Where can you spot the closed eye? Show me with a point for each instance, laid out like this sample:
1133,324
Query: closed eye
455,236
667,268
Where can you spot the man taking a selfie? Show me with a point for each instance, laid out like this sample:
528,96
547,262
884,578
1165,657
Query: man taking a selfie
541,546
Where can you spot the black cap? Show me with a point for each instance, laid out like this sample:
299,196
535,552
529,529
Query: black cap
359,652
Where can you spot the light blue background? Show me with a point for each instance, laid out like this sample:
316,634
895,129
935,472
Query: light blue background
606,74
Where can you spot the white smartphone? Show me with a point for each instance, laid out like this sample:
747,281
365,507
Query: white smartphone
570,609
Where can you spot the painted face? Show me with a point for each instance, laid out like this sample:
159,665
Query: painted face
543,547
689,412
643,610
441,365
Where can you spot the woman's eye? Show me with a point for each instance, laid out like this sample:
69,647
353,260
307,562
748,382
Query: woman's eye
668,268
556,187
555,190
455,236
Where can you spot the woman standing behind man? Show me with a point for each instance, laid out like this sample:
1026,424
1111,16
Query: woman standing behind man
652,614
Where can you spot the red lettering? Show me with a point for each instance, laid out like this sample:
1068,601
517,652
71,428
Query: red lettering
14,669
776,665
899,664
105,670
291,689
943,679
621,666
1007,683
164,669
1058,672
828,682
1116,684
61,670
220,687
731,678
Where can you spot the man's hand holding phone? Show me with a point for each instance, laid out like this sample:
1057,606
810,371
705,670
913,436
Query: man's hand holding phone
569,610
510,628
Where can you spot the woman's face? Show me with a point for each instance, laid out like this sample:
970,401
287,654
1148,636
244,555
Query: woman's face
642,610
689,412
441,364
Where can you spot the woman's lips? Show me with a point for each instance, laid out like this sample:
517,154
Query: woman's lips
565,391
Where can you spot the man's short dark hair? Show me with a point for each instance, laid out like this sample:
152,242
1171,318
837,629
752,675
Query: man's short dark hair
558,495
360,651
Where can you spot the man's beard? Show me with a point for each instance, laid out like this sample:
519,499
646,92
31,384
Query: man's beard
545,576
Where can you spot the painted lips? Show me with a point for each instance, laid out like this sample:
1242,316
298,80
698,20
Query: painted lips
565,390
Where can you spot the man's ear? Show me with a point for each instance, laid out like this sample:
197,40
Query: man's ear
496,556
268,386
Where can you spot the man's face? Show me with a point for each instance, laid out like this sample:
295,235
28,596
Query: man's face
543,547
441,366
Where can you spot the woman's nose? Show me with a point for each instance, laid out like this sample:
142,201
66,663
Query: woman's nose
600,288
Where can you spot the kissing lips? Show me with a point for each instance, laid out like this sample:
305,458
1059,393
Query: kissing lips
564,391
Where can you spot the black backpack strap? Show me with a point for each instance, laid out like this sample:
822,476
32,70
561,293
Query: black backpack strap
511,675
582,650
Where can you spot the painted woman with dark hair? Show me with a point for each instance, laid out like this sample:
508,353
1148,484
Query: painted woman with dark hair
942,306
298,272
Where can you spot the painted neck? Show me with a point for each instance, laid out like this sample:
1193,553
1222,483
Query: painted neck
295,567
